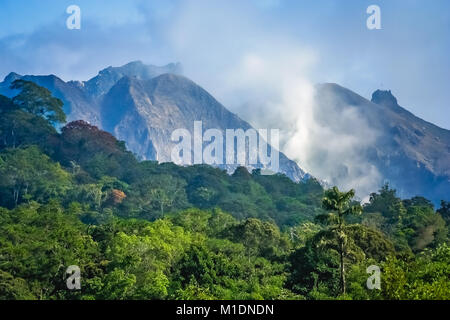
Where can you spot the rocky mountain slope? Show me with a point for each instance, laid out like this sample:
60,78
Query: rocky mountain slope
142,105
411,154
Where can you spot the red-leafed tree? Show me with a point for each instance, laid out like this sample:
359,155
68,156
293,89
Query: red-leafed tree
95,150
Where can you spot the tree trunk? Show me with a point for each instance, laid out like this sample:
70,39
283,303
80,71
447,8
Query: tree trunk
342,267
341,252
16,196
13,139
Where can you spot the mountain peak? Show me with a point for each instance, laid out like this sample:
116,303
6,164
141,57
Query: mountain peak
107,77
12,76
384,97
144,71
136,63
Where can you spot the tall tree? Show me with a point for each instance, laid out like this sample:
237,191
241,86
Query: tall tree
388,204
28,174
39,101
444,210
341,205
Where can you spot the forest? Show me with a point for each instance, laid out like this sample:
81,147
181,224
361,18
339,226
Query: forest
71,194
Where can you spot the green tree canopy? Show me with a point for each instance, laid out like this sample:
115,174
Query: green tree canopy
340,206
39,101
29,174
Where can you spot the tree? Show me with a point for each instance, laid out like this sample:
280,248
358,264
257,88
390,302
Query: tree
98,152
444,210
315,271
38,101
160,193
6,104
19,127
147,257
340,203
301,233
37,244
422,277
260,238
387,203
117,196
418,201
29,174
422,228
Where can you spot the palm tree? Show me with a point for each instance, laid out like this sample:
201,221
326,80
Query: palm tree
341,205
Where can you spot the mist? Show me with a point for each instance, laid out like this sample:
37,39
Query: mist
268,78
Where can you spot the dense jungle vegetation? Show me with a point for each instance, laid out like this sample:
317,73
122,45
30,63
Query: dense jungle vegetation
143,230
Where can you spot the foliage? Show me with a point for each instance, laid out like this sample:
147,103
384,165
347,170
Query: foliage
38,101
144,230
425,277
29,174
336,236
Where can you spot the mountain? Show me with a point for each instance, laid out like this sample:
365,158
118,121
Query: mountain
142,105
156,107
82,99
107,78
412,155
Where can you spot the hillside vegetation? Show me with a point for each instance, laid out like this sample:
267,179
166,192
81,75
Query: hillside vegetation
143,230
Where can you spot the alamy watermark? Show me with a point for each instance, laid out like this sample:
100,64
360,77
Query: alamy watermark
374,20
74,20
241,147
374,281
73,282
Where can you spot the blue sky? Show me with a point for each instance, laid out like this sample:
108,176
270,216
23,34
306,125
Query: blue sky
410,55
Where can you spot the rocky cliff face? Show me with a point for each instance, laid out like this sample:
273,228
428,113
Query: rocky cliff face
156,107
